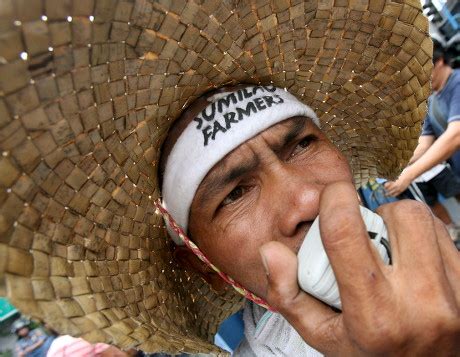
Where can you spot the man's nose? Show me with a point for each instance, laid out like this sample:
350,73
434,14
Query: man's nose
297,200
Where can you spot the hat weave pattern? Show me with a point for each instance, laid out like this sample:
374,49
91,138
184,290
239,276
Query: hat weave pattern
88,91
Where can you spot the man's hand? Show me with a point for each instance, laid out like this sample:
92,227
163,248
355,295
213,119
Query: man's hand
395,188
410,307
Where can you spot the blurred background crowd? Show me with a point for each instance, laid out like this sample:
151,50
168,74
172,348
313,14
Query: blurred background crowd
433,173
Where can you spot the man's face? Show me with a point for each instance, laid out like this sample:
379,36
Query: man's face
23,332
265,190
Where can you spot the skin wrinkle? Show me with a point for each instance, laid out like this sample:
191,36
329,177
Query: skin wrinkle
238,210
293,182
292,134
226,175
272,221
281,201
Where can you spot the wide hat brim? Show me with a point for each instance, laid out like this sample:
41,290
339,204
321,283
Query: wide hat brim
89,89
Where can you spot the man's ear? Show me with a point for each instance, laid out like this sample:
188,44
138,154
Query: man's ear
189,260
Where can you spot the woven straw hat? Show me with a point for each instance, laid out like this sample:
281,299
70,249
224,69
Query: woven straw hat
89,89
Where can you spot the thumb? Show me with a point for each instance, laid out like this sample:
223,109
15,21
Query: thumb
315,322
281,268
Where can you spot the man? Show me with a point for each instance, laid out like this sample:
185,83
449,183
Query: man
30,343
440,179
276,171
440,139
89,91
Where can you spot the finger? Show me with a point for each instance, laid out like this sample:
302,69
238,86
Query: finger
412,237
451,258
313,320
389,188
393,191
346,241
389,184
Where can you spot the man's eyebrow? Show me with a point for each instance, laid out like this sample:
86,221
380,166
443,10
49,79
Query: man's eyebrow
214,185
295,129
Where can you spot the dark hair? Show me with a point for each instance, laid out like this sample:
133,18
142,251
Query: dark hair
439,51
19,324
453,52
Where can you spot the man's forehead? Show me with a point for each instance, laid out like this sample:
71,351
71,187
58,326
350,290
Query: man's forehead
275,136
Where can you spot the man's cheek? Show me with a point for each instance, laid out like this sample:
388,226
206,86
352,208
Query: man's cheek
338,168
235,221
247,268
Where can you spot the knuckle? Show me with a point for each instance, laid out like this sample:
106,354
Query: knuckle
333,187
446,329
384,209
381,332
278,300
440,226
446,326
330,335
405,208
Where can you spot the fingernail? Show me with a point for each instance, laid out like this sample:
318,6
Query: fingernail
264,262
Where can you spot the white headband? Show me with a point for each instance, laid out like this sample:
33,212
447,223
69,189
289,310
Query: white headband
229,120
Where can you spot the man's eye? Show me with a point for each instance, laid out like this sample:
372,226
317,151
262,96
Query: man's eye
303,144
236,194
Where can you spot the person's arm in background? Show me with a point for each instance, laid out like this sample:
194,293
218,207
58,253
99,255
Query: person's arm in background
40,336
19,351
425,140
34,346
424,143
392,188
440,150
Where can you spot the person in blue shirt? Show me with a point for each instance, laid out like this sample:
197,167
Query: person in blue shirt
440,139
30,343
